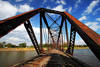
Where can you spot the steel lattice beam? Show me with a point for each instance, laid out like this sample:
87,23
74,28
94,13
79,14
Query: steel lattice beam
72,40
32,36
91,38
45,21
66,29
60,30
41,30
11,23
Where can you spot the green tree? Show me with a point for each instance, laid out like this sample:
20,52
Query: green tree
1,45
31,46
22,45
8,45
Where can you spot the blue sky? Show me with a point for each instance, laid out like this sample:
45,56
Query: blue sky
87,11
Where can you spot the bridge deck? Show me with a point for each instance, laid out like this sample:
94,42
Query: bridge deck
54,58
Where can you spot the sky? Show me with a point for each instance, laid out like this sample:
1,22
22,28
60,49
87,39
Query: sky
87,11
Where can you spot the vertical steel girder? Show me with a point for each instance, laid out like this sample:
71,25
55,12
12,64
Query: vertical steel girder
91,38
32,36
40,31
11,23
66,29
45,21
54,21
60,30
72,40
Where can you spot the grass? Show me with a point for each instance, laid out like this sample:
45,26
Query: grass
31,49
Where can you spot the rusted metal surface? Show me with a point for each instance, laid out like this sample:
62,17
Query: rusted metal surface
90,33
54,58
72,40
11,23
32,36
91,38
66,29
45,21
39,62
59,33
41,25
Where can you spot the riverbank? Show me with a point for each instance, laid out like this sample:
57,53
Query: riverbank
31,49
17,49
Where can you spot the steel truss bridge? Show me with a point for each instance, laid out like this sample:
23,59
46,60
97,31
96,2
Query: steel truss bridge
54,30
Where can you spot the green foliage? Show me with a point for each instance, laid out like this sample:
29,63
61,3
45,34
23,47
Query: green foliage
1,45
31,46
80,45
45,45
22,45
9,45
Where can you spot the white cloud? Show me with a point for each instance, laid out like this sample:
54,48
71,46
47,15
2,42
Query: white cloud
93,25
59,8
77,2
19,0
82,18
70,9
61,2
89,9
24,8
80,42
14,39
98,19
48,7
20,35
96,11
7,10
44,1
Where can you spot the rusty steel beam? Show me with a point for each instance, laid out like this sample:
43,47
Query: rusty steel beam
51,20
11,23
66,29
45,21
52,11
60,27
41,31
91,38
32,36
72,40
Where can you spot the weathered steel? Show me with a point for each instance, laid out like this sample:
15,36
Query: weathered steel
61,25
41,31
32,36
66,29
53,58
72,40
53,11
51,20
91,38
11,23
45,21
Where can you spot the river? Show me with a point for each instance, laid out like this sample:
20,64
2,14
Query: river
11,57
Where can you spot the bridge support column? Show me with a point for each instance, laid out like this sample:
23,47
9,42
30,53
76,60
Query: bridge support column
72,40
32,36
66,29
41,32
